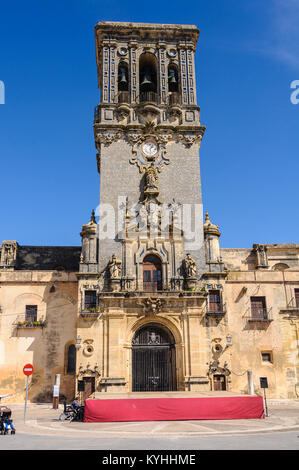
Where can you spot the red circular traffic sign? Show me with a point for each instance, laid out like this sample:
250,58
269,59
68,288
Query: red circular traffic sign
28,369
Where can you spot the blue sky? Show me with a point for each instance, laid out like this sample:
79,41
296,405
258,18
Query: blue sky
247,57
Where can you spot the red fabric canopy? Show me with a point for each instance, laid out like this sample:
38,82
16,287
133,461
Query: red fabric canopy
166,409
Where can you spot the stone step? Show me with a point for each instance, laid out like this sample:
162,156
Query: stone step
126,395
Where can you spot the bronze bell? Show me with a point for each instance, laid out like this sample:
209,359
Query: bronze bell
171,77
123,78
147,79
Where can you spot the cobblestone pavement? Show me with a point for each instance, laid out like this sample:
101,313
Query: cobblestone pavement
44,420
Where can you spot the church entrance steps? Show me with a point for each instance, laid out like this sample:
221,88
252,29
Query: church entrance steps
169,407
135,395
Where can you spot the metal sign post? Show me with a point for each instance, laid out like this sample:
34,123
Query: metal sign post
264,385
56,392
27,370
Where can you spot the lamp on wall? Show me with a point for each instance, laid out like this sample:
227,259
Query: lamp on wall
228,340
78,344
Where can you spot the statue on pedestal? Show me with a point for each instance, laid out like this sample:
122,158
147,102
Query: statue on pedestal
189,266
114,267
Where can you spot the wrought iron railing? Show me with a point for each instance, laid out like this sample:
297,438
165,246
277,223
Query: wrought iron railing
174,98
216,308
148,97
29,321
89,310
259,315
123,97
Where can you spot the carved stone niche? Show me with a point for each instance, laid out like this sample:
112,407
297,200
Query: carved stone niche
114,269
9,251
261,255
189,269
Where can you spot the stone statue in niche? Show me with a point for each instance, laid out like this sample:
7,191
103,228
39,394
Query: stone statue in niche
151,190
114,267
151,178
189,266
8,254
261,254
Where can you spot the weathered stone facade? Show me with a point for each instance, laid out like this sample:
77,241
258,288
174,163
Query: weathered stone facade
150,281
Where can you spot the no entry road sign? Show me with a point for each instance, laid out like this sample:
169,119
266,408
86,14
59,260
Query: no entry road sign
28,369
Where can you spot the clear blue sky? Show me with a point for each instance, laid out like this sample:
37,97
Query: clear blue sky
248,54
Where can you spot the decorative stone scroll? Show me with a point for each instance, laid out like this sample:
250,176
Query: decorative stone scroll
190,139
152,306
106,138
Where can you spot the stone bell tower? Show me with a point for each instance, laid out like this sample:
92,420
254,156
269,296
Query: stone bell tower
141,292
147,132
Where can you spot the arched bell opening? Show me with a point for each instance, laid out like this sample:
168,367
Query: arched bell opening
148,78
153,359
152,273
173,84
123,83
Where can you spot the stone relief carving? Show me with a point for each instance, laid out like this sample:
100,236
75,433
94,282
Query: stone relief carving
214,367
106,138
88,370
152,306
189,139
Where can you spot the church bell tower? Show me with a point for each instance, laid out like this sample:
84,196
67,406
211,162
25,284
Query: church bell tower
141,267
147,132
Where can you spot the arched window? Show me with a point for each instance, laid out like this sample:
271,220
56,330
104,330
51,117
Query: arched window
173,84
123,83
152,273
71,359
148,78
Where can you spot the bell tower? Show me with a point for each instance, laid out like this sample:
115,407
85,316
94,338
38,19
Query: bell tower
142,267
147,132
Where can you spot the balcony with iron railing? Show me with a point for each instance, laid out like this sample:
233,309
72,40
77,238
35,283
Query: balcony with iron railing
148,97
123,97
292,306
90,310
174,99
259,314
144,98
27,321
216,309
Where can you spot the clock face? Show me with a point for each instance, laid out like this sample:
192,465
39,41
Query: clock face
149,149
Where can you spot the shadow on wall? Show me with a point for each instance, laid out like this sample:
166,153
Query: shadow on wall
48,340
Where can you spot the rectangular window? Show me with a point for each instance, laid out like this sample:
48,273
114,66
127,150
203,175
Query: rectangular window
215,304
90,299
258,308
267,356
297,298
31,313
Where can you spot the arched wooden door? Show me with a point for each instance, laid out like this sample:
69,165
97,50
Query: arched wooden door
152,273
153,360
